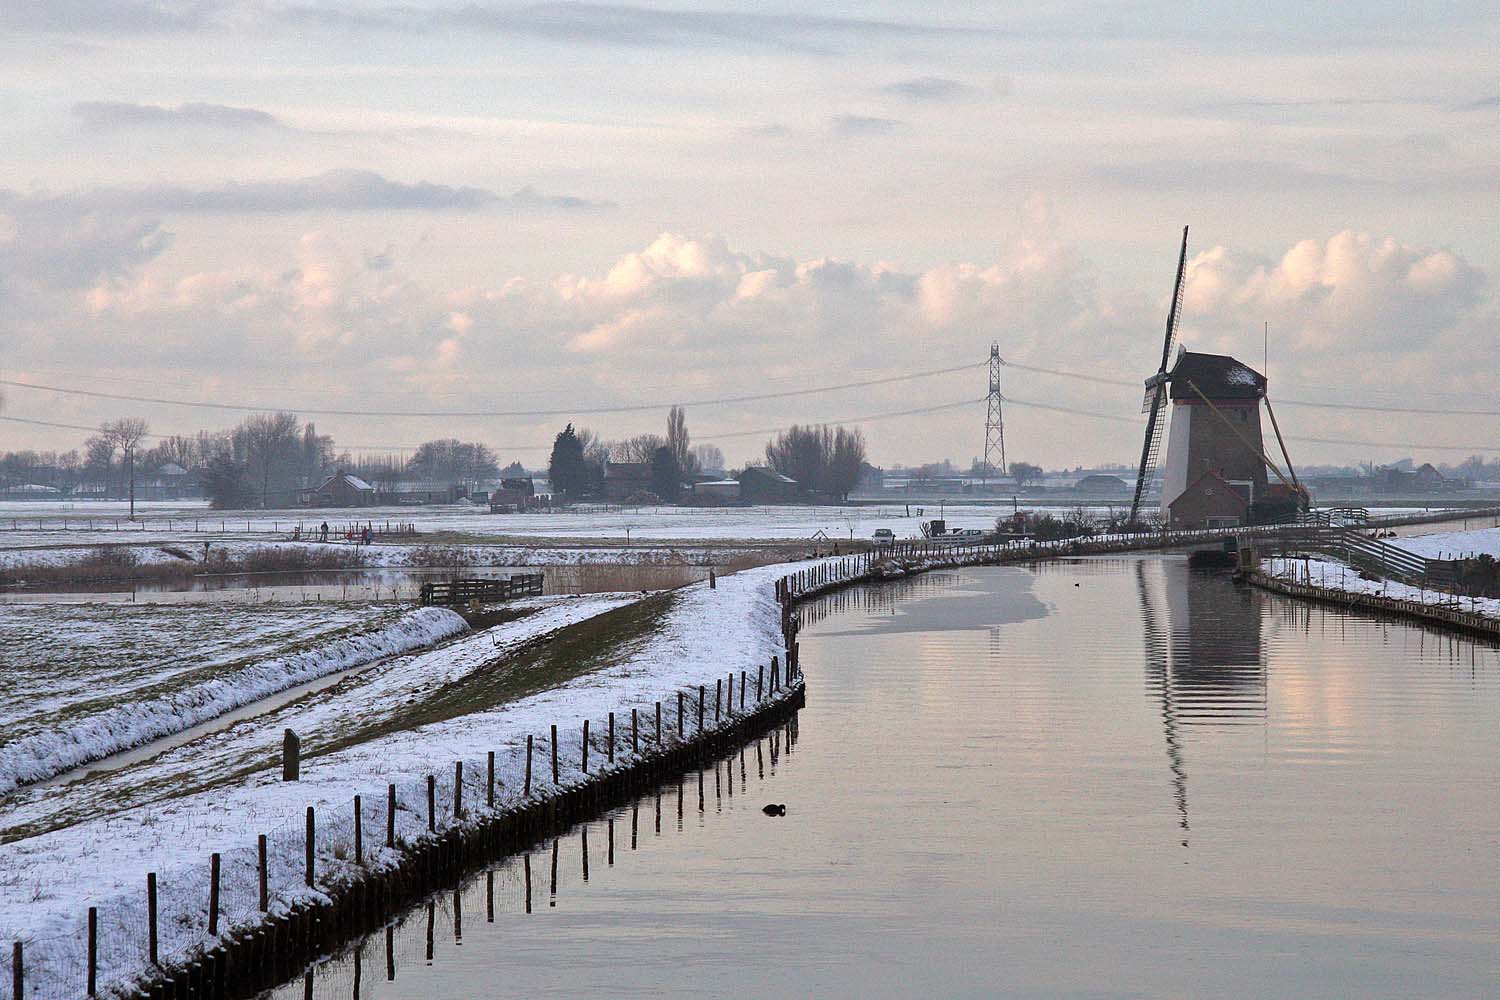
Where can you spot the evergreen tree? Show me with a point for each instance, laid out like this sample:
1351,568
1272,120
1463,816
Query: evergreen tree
566,469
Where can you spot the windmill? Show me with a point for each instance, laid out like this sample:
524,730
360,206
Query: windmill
1156,390
1216,463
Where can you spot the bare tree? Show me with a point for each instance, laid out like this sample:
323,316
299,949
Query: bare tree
844,461
126,434
708,457
273,448
641,448
821,459
679,441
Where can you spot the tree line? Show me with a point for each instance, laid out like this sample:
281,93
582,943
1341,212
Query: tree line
825,461
263,461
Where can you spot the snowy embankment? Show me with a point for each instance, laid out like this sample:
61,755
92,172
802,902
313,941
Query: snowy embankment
1332,574
40,754
50,880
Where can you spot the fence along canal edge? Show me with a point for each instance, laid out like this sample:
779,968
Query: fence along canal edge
270,950
1453,619
460,833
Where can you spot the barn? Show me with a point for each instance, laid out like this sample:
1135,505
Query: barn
339,490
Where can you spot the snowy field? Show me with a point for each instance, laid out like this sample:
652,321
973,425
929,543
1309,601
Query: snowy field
1337,575
118,827
64,550
1453,544
84,681
23,524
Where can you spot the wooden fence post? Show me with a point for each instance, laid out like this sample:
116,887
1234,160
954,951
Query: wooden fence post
611,753
658,725
458,789
679,716
702,696
760,676
489,795
554,755
742,690
635,731
431,803
213,894
312,839
359,832
151,938
585,767
718,695
526,792
291,756
93,950
261,873
17,974
390,815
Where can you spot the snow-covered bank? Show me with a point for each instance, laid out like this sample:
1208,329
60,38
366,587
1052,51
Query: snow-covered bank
1333,574
50,880
45,751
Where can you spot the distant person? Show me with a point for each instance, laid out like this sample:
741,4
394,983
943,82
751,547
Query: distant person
367,535
325,531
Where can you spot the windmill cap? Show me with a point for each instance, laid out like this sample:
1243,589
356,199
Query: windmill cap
1217,376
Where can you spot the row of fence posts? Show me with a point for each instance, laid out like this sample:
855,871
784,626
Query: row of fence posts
767,682
305,530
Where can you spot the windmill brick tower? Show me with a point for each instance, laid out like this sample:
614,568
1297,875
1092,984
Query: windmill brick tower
1215,467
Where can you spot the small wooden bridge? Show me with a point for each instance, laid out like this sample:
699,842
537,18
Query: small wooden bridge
456,593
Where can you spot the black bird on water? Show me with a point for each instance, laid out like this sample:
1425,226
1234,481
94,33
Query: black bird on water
775,809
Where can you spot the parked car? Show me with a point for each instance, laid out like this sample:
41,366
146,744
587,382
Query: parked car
884,535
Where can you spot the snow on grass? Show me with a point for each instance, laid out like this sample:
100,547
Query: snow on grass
50,880
147,702
1453,544
40,526
1334,574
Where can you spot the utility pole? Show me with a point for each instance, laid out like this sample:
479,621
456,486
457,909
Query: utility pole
994,420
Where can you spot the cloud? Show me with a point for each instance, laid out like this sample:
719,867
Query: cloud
928,89
1350,294
685,317
336,190
864,125
770,130
1483,104
122,114
1216,176
620,24
106,17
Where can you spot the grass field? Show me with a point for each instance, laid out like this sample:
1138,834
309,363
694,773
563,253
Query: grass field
83,681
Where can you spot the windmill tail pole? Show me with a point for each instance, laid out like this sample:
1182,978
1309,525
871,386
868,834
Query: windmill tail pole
1280,441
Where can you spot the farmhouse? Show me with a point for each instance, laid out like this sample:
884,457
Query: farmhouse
622,480
339,490
759,484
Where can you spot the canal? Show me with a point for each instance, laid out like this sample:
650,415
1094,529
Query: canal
1106,777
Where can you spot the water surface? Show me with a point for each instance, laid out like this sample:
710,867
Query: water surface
1101,778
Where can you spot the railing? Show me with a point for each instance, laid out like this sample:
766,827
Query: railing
456,593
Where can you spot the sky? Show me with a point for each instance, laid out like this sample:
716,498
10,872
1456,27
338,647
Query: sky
506,215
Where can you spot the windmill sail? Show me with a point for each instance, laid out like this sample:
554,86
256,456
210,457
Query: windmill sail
1156,389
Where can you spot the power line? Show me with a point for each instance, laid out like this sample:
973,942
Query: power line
162,437
936,408
488,414
1433,411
